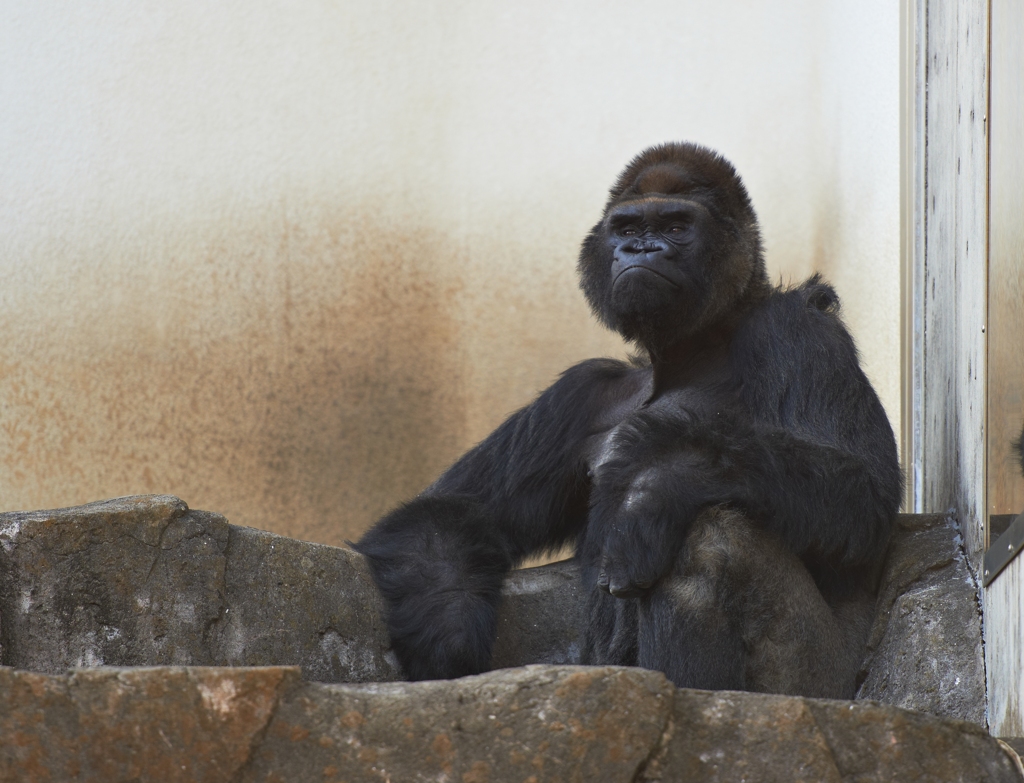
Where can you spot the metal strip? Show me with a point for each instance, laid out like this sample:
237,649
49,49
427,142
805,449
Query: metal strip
913,67
1006,547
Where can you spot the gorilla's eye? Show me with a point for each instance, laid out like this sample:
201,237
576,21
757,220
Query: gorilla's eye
628,231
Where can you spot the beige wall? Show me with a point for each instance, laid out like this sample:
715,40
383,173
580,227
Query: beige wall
288,260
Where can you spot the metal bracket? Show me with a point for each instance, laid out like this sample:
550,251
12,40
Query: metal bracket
1005,548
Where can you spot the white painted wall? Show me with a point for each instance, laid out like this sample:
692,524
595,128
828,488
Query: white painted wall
287,260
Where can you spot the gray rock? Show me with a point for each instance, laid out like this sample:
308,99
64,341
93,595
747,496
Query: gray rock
145,581
540,723
132,581
291,602
539,617
729,736
925,651
921,543
548,723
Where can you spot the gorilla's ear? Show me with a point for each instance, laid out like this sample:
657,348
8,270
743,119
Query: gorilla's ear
821,296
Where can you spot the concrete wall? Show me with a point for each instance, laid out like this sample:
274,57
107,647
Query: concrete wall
287,261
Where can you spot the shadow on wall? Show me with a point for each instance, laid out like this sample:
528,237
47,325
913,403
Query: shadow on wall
301,378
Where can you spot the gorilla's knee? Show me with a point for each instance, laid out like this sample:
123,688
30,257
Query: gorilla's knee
713,553
745,595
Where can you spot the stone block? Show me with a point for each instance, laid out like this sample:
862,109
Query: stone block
145,581
538,723
925,650
126,582
725,736
291,602
539,617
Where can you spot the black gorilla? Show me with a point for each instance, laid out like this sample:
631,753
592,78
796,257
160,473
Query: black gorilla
729,498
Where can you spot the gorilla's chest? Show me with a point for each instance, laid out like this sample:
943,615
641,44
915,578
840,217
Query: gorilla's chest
701,399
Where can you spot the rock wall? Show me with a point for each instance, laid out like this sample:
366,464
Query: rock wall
539,723
147,582
925,651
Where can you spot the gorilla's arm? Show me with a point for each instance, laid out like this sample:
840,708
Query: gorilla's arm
440,560
815,461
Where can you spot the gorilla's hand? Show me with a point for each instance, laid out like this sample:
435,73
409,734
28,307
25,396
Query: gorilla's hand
640,525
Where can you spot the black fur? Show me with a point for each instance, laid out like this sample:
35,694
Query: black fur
1018,446
748,468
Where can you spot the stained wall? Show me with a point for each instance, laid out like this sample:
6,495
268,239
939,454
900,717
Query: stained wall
287,261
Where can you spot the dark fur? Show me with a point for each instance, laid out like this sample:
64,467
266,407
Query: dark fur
1018,446
733,493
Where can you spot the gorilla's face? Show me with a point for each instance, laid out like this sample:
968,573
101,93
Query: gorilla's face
657,247
676,250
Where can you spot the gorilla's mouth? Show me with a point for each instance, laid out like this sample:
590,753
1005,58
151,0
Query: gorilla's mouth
643,268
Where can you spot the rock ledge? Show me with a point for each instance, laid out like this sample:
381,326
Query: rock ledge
538,723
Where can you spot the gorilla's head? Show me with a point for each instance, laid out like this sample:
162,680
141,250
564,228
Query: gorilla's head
677,251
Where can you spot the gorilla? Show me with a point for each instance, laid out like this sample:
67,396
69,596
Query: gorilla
729,494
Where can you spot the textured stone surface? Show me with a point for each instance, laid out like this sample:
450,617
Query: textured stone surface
133,581
196,724
292,602
542,723
145,581
548,723
727,736
539,617
925,650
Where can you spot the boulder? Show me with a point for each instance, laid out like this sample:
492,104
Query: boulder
133,582
146,581
290,602
538,723
925,650
730,736
163,723
540,616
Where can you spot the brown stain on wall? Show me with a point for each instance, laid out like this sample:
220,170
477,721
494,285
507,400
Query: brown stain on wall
302,372
288,263
330,393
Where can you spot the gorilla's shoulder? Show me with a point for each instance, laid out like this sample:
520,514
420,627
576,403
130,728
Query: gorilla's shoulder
811,304
591,374
813,295
798,326
606,367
